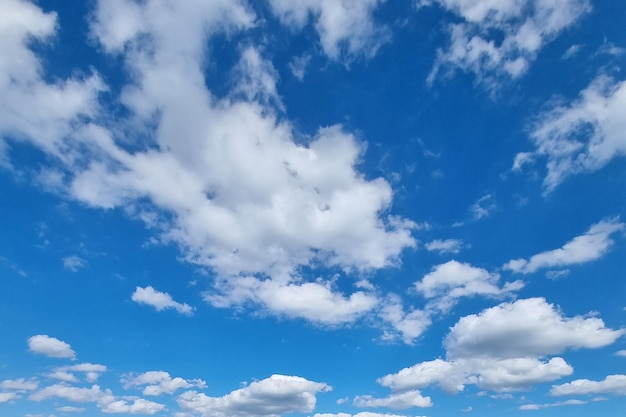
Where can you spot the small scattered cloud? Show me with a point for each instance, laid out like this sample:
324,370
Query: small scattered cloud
155,383
445,246
588,247
483,207
299,64
561,273
581,136
50,346
551,405
621,353
74,263
395,401
572,51
449,282
499,41
160,300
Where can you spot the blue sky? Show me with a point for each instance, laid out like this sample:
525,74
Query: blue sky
325,208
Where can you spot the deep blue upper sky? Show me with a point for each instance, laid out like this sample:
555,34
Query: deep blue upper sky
325,208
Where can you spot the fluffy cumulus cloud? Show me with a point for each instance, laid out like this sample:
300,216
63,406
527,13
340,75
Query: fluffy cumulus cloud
407,325
395,401
581,136
226,179
90,371
159,382
50,346
346,28
448,282
103,398
584,248
273,396
495,39
160,300
506,347
612,384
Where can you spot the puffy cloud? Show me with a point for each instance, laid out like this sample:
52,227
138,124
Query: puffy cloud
444,246
136,406
19,385
612,384
233,185
408,325
524,26
452,280
584,248
273,396
529,327
159,382
506,347
582,136
160,300
50,346
396,401
314,301
90,370
70,393
346,27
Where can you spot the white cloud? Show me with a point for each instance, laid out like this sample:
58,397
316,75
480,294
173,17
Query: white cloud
298,65
19,385
445,246
582,136
70,393
50,346
32,109
6,397
396,401
621,353
407,325
159,382
91,372
362,414
70,409
314,301
346,27
612,384
136,406
237,189
529,327
584,248
273,396
448,282
571,51
506,347
525,27
551,405
73,263
483,207
160,300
